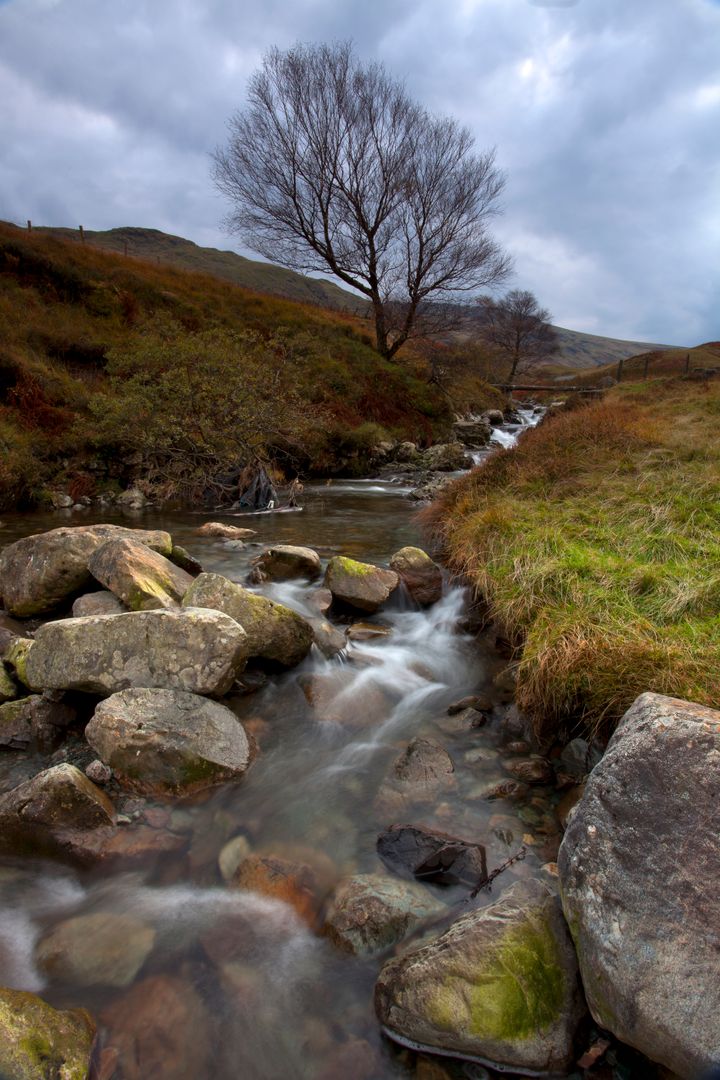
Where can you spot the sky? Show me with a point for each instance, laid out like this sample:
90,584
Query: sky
605,115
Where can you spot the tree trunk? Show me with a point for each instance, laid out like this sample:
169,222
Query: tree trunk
381,334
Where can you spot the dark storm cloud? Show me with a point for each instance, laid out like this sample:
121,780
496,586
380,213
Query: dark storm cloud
605,116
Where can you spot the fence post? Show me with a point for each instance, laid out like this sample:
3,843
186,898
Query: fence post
29,225
620,369
687,363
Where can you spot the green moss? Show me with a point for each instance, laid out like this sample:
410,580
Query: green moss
518,993
38,1042
16,658
352,566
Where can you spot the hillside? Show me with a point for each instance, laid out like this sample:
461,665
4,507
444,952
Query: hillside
658,363
115,369
153,245
578,350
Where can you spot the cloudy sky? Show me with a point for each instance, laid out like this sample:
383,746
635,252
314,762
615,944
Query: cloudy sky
605,115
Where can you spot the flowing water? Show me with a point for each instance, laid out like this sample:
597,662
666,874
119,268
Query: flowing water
237,985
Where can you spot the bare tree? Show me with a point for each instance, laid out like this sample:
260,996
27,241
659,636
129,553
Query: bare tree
331,166
519,331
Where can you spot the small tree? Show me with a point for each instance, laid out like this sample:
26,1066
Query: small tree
518,330
331,166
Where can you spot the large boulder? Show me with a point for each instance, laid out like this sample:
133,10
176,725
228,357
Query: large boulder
138,576
34,721
274,632
282,562
639,870
369,912
99,949
40,572
193,649
45,812
167,741
420,575
475,433
38,1042
359,584
500,985
446,457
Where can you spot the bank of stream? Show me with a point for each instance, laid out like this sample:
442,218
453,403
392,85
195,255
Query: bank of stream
262,993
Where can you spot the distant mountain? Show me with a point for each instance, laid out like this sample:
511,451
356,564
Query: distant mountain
577,351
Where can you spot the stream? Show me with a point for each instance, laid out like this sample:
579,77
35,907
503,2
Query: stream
246,986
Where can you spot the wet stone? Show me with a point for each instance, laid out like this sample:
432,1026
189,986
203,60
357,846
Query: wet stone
432,856
38,1042
370,912
102,949
533,770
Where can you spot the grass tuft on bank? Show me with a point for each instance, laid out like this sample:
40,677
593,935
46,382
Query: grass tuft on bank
596,543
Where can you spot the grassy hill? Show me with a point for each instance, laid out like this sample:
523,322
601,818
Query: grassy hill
658,363
596,543
578,350
113,369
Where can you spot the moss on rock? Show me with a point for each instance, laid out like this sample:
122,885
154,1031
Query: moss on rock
38,1042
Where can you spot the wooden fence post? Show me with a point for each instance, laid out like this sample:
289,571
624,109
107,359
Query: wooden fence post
82,234
687,363
620,369
29,225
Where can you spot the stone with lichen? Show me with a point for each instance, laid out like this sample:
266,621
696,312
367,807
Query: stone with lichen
358,584
38,1042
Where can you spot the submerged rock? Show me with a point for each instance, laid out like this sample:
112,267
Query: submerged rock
167,741
161,1030
333,697
359,584
226,532
329,640
283,562
500,985
194,649
142,579
38,1042
42,571
102,949
639,867
421,576
422,773
274,632
369,912
429,855
270,875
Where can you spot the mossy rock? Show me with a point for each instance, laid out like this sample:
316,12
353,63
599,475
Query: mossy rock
38,1042
500,985
141,578
16,656
8,689
358,584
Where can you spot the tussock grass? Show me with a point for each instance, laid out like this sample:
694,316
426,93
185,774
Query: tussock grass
596,542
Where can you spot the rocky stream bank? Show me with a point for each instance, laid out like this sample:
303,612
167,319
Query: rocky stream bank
247,791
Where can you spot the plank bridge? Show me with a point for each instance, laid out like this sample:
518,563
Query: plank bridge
508,388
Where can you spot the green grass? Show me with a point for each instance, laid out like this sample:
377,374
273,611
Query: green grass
597,544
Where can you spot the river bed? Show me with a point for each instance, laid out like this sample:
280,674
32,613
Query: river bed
248,986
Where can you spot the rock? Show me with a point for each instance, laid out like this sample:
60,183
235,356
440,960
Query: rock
369,912
98,773
38,1042
422,773
187,562
60,500
161,1030
231,855
475,433
8,690
44,813
498,787
359,584
97,603
227,532
34,721
405,452
40,572
193,649
531,770
334,698
480,703
274,632
329,640
579,758
639,867
168,742
366,631
496,417
132,499
102,949
416,851
354,1059
458,722
500,985
421,576
295,883
431,488
566,807
446,457
15,657
282,562
319,600
141,578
